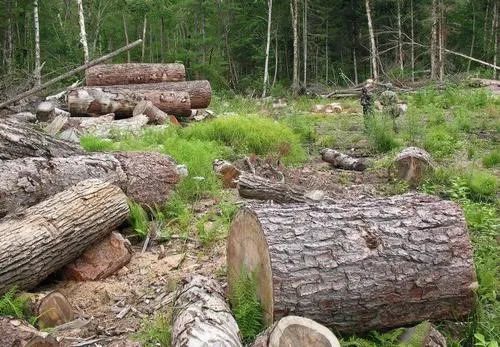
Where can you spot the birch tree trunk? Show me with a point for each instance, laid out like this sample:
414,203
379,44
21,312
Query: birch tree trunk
304,42
268,46
441,49
400,38
471,53
294,11
126,36
412,42
434,39
373,46
495,41
83,33
38,68
144,38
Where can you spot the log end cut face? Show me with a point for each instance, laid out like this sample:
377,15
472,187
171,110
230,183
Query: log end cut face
299,331
54,310
247,250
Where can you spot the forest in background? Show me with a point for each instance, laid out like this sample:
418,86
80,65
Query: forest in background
310,42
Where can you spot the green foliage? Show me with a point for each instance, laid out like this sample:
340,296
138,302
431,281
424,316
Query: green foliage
483,186
440,142
156,331
374,339
139,220
15,305
492,159
381,134
482,342
246,307
92,143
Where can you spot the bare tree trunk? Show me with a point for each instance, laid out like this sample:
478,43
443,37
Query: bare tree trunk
326,53
144,37
162,25
441,40
268,46
38,67
275,59
400,38
434,39
83,33
412,42
295,81
495,42
471,53
304,42
126,36
373,46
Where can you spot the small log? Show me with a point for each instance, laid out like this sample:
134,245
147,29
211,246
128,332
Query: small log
148,178
23,117
47,236
343,161
296,331
154,114
133,73
357,265
200,92
202,317
15,332
100,260
411,165
422,335
19,140
56,125
122,100
227,172
51,309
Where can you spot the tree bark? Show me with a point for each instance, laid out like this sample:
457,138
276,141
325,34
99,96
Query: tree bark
294,8
147,178
373,46
268,46
434,40
154,114
144,38
126,40
19,333
38,66
122,100
109,129
49,235
19,140
357,265
202,317
83,33
400,38
134,73
304,43
200,92
296,331
343,161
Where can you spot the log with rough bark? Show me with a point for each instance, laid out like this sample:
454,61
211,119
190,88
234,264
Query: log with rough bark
51,309
47,236
148,178
202,317
296,331
18,333
343,161
122,100
200,92
19,140
154,114
357,265
411,165
134,73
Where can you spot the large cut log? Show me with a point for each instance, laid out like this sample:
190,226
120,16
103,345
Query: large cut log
411,165
357,265
202,317
343,161
296,331
19,140
49,235
122,100
148,178
17,333
51,309
133,73
200,92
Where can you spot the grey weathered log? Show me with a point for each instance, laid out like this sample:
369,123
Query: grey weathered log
148,178
19,140
56,125
202,317
23,117
357,265
411,165
17,333
134,73
131,125
343,161
200,92
122,100
296,331
47,236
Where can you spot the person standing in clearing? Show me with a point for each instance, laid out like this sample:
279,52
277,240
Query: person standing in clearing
367,104
390,104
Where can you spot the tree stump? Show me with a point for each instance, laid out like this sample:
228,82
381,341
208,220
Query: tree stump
411,165
47,236
133,73
51,309
357,265
15,332
202,317
296,331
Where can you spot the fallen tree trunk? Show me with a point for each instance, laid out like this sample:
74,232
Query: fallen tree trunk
134,73
154,114
202,317
15,332
200,92
359,265
122,100
343,161
147,178
108,129
47,236
296,331
19,140
51,309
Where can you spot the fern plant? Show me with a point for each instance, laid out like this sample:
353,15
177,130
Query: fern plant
138,218
13,304
246,306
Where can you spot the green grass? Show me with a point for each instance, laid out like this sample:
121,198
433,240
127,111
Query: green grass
139,219
15,305
492,159
381,134
92,143
156,331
